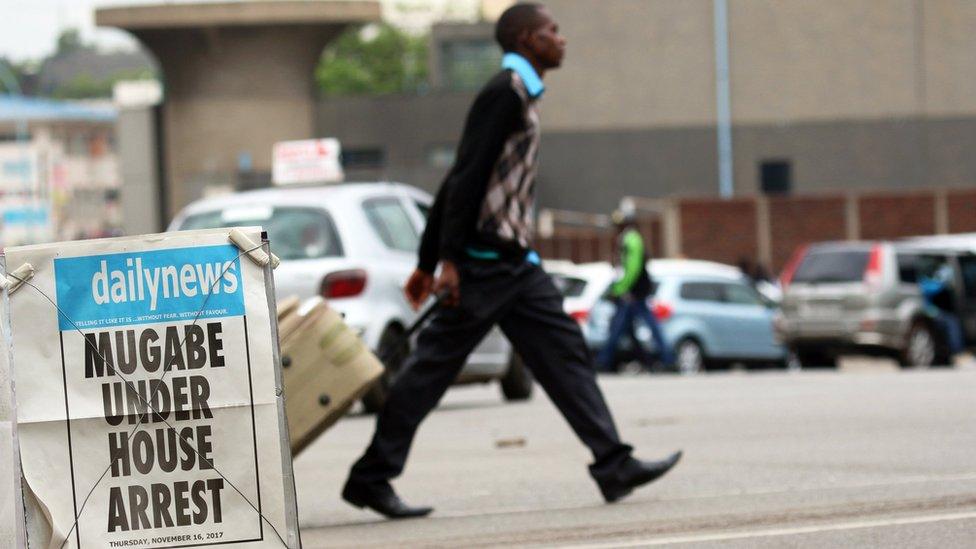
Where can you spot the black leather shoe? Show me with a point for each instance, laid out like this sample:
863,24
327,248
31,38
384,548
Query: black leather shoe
381,499
635,473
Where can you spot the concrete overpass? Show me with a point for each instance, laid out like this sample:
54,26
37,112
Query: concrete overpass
238,76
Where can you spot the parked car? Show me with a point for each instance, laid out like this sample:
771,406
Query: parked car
708,311
864,297
582,286
354,245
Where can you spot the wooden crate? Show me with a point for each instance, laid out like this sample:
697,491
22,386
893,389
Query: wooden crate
326,368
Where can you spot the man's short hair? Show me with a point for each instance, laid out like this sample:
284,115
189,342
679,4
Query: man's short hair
514,21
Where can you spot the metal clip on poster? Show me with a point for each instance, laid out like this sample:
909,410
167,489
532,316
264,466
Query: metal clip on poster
13,281
254,251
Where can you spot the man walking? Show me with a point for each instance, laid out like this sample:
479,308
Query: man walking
631,292
479,231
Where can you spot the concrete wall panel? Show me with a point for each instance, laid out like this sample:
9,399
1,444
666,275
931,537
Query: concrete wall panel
838,155
950,56
591,171
831,59
632,64
232,92
656,162
136,136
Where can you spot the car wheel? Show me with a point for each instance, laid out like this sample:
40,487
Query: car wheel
920,347
393,350
517,382
630,368
689,357
792,362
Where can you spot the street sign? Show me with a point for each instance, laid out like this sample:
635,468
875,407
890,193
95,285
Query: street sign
307,161
148,398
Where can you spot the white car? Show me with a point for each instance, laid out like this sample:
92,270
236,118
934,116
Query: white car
582,285
354,245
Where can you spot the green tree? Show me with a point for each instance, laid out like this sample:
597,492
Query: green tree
11,76
373,63
69,41
85,86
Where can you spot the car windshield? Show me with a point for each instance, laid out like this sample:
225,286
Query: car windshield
295,233
832,266
392,223
569,286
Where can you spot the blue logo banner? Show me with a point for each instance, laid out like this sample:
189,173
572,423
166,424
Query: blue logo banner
101,291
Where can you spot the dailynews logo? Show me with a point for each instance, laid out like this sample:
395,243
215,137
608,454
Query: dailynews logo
154,286
136,282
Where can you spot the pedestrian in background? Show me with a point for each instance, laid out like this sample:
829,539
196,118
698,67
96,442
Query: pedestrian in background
940,302
630,293
480,230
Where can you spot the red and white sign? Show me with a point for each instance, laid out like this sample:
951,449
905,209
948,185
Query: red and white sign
306,161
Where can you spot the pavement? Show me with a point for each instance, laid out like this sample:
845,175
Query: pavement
869,456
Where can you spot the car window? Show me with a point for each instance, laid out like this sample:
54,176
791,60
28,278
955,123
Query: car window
701,291
424,208
832,266
569,286
928,265
295,233
967,264
740,294
908,268
391,222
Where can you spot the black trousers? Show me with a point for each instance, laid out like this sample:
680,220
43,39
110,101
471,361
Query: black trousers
523,301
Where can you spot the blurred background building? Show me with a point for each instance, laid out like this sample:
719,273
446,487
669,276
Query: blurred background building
829,95
811,101
59,175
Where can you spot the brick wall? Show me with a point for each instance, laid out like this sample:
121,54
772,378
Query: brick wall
896,216
962,211
728,230
794,221
653,231
720,230
577,244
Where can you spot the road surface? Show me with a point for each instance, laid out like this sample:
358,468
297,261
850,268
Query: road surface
866,457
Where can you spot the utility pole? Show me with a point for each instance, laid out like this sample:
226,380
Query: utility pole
723,99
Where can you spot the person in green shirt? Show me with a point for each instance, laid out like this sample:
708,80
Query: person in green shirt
631,293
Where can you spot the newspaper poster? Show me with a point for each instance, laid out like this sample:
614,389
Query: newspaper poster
147,406
11,511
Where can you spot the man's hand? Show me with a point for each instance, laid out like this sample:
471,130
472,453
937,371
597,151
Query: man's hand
449,283
418,288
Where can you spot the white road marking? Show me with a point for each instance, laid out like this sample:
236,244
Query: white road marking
775,532
919,479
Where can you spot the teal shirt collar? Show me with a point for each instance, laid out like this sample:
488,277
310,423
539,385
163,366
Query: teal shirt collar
522,67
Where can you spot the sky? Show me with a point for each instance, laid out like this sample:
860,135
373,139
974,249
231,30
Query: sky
29,28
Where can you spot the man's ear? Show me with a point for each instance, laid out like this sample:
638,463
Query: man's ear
525,40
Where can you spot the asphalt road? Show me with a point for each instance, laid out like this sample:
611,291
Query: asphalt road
866,457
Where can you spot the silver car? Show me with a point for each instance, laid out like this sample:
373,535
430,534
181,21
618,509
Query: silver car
354,245
864,297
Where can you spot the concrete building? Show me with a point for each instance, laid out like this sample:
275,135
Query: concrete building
59,176
829,95
238,77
